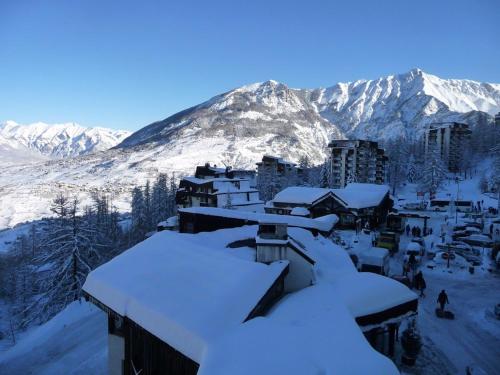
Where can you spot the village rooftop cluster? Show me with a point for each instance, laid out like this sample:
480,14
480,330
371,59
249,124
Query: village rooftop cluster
237,283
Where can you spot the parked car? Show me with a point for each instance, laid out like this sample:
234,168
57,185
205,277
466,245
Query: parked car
420,205
472,229
481,240
468,231
457,246
474,224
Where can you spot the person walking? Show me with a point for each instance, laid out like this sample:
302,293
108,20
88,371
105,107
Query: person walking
420,283
408,229
442,299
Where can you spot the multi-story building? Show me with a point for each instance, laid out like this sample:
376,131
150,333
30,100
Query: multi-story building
449,140
356,161
217,187
274,174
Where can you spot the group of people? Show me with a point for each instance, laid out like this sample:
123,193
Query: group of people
416,231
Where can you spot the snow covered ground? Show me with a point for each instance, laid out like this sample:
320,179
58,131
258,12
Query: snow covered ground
74,342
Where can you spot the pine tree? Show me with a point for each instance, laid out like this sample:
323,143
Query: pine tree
139,222
433,172
326,180
70,252
148,211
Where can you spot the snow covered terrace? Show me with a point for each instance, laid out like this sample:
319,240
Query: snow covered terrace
195,293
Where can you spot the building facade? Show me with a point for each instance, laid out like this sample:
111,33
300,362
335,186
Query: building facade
449,140
217,187
356,161
274,174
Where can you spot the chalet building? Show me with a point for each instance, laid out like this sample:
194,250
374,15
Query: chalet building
357,161
209,172
187,303
274,174
217,187
306,201
449,140
357,203
367,204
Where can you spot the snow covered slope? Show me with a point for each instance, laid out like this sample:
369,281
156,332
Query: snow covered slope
73,342
59,140
240,126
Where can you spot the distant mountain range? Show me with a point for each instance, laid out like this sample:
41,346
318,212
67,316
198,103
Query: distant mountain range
58,140
235,128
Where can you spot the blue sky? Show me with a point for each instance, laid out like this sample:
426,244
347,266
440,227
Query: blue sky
125,64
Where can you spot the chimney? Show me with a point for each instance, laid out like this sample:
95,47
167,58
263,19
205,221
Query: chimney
272,242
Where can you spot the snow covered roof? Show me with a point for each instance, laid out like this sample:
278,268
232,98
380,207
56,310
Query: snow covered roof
195,278
359,195
212,287
374,255
323,223
301,195
305,334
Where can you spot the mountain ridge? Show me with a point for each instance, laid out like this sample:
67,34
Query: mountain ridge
239,126
61,140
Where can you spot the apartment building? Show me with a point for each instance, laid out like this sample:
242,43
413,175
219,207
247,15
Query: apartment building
449,139
357,161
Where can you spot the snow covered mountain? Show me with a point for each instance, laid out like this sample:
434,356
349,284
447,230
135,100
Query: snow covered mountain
59,140
238,127
403,104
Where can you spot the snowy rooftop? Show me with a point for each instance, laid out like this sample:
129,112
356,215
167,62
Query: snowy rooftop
212,288
194,278
359,195
300,195
323,224
306,334
373,255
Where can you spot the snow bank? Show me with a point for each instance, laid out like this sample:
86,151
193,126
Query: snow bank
174,288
